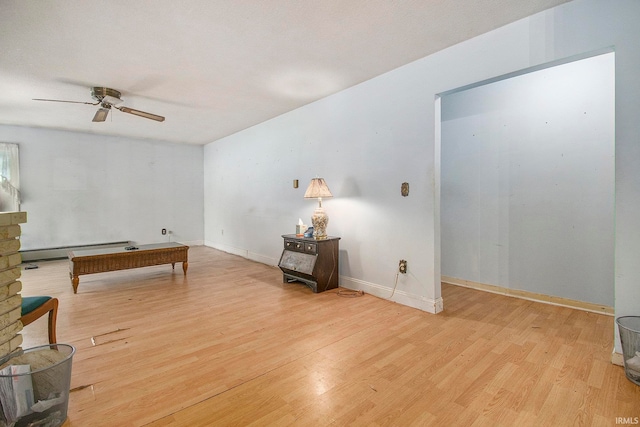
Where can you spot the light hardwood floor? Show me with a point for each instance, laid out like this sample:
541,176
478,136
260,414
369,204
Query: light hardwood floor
231,344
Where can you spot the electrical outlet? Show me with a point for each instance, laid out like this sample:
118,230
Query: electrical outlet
402,266
164,231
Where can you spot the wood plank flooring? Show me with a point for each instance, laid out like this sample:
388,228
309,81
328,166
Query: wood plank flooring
231,345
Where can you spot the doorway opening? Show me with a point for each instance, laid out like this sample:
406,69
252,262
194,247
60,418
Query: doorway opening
527,183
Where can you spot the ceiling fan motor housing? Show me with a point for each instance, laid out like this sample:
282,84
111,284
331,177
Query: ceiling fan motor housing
99,93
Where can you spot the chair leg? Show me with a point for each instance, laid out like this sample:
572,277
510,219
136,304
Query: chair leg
50,306
53,315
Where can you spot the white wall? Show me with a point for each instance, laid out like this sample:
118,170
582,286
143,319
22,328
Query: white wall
367,140
80,188
345,139
527,195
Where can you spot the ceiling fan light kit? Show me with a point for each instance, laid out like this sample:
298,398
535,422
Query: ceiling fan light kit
101,114
107,98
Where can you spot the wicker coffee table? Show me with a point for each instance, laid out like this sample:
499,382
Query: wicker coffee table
112,259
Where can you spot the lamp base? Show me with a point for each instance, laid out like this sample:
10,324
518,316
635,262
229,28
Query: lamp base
319,219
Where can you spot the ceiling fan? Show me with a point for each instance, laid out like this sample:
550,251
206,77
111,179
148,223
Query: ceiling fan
108,98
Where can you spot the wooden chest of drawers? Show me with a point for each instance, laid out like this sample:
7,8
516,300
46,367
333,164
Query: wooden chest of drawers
310,261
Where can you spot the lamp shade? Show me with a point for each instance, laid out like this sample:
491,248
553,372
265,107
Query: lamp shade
317,188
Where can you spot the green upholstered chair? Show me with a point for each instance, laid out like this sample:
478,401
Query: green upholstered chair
35,307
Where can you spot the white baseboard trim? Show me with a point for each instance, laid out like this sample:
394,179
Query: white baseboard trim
531,296
263,259
243,253
228,249
433,306
617,358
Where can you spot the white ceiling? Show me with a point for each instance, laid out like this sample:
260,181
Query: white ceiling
215,67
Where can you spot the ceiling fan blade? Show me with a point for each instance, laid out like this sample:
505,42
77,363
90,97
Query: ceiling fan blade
141,114
71,102
101,115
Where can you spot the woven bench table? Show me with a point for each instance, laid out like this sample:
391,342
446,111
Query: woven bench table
112,259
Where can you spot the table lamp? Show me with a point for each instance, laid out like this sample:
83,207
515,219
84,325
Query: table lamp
318,189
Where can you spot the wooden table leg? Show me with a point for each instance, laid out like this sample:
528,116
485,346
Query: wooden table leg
185,265
75,280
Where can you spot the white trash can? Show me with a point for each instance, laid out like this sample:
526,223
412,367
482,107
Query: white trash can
34,386
629,328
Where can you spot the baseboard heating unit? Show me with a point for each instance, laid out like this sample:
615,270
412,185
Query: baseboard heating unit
61,252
